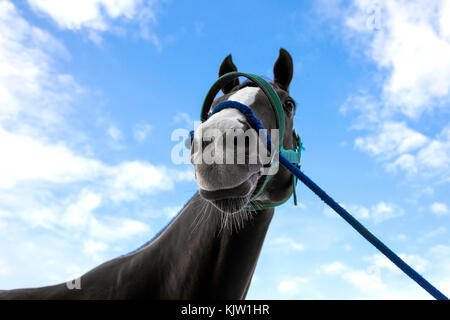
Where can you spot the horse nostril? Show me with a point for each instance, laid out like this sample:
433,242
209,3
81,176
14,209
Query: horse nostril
245,123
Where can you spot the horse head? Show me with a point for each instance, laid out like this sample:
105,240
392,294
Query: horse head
231,186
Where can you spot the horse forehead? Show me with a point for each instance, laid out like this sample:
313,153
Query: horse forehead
246,95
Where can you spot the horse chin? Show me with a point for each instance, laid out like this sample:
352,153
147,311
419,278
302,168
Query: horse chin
231,206
232,200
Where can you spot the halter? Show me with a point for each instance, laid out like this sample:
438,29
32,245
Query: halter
294,156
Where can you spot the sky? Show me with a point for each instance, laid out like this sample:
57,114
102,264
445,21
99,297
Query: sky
91,92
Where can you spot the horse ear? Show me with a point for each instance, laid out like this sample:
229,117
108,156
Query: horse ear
283,70
226,67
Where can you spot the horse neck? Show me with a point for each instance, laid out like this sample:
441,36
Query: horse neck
195,258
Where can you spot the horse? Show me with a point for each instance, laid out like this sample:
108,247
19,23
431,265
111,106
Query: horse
211,248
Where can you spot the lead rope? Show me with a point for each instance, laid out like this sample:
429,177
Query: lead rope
421,281
392,256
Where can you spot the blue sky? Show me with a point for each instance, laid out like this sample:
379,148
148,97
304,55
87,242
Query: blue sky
91,93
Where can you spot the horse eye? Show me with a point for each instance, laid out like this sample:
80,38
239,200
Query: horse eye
289,105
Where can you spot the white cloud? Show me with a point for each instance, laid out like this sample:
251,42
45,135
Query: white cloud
376,280
114,133
370,110
30,88
79,213
441,263
379,261
410,46
441,251
377,213
435,155
426,236
360,212
432,159
401,237
76,215
391,140
291,285
4,269
94,247
439,209
385,211
348,247
365,280
172,211
408,150
417,262
46,182
114,229
288,243
166,212
335,267
34,102
29,159
97,16
184,119
131,179
287,286
72,14
69,230
141,131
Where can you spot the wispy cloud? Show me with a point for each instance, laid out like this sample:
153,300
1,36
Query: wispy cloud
375,280
392,139
365,280
98,16
114,133
184,119
4,270
385,211
30,88
411,43
426,236
377,213
141,131
439,209
408,150
291,285
288,244
410,47
54,196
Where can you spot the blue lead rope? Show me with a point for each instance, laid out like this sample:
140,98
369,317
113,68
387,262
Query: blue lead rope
392,256
421,281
